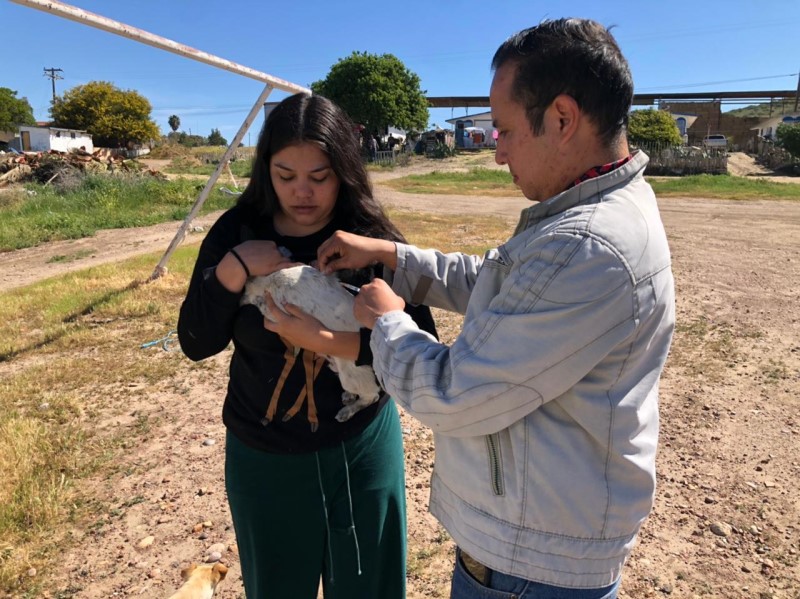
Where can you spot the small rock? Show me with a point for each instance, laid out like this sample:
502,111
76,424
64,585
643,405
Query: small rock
197,527
754,530
146,542
31,572
217,548
209,442
214,556
44,406
208,524
721,529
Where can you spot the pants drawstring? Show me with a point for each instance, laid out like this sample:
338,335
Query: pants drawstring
350,502
325,509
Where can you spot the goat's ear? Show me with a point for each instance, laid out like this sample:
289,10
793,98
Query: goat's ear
221,570
187,571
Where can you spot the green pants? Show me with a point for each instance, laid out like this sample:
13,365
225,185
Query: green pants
289,537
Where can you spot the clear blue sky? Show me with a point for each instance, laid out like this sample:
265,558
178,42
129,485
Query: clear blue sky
702,45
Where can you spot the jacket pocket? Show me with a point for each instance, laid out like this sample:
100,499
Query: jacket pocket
495,464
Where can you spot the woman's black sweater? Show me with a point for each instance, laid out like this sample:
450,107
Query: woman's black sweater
211,317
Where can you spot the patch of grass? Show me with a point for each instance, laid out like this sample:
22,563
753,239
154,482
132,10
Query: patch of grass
703,348
476,181
99,202
70,257
491,182
239,168
724,187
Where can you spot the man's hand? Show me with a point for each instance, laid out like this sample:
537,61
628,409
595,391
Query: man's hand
346,250
375,300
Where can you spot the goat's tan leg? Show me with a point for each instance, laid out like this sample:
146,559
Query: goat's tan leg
290,358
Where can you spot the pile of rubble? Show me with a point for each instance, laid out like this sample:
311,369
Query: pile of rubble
62,167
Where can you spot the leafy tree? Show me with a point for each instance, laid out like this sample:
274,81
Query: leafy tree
376,91
216,139
114,117
14,111
789,139
653,126
184,139
174,122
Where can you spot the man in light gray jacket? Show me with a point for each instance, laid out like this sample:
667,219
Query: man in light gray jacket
545,408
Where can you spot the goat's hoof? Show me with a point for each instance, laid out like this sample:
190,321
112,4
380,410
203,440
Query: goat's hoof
348,398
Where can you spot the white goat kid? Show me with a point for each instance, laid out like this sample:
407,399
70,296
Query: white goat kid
324,298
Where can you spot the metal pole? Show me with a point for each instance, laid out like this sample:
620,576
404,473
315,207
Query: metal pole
161,267
88,18
797,95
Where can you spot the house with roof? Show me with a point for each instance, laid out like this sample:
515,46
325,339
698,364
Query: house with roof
474,131
46,138
768,128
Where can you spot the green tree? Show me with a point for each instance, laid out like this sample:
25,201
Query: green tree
14,111
377,91
174,122
789,139
114,117
653,126
215,138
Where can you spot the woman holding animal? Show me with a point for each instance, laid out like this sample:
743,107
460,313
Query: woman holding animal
311,497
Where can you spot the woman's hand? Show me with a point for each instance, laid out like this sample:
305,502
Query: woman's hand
263,257
256,258
303,330
346,250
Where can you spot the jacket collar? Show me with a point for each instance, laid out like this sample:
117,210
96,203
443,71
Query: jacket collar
580,193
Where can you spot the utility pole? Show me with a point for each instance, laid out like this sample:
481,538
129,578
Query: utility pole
53,75
797,95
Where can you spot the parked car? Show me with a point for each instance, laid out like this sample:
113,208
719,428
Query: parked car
715,141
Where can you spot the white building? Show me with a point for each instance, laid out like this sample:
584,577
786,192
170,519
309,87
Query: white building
44,139
768,128
474,131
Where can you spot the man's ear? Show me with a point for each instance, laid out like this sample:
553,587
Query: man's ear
565,115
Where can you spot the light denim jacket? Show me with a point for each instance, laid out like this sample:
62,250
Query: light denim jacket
545,408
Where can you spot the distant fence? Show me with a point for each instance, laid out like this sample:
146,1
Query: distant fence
384,157
684,160
238,154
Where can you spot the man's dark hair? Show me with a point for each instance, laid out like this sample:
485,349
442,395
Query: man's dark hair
576,57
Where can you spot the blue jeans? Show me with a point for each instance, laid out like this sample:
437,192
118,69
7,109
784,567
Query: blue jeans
504,586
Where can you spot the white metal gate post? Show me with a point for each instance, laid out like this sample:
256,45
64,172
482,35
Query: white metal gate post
73,13
161,267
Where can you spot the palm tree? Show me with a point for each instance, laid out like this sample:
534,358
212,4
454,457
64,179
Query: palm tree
174,122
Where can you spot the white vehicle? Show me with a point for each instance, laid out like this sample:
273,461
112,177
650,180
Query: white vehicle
715,141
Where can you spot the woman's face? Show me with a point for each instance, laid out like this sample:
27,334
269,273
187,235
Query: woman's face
307,189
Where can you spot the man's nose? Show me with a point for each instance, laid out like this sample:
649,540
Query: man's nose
500,155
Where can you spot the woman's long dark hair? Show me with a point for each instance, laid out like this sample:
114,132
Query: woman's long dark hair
303,118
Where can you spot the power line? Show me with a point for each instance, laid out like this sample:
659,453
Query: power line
53,75
685,85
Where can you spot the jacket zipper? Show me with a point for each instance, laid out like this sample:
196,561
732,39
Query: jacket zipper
495,464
